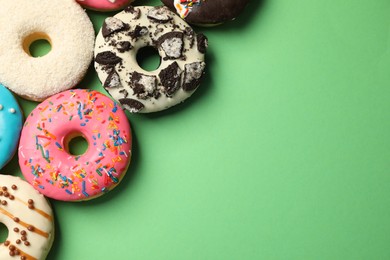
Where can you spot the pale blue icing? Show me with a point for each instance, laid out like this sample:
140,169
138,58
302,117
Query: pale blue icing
11,121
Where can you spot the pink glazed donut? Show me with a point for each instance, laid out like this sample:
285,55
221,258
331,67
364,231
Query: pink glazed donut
44,156
104,5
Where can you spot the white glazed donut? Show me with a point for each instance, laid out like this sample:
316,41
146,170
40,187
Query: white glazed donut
29,219
180,48
65,25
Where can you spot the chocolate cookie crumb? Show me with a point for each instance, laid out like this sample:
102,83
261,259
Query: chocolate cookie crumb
159,14
113,80
171,78
139,31
132,10
192,75
112,25
144,86
132,105
172,44
202,42
124,92
124,46
107,58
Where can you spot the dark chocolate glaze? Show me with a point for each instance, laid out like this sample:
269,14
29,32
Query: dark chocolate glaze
212,12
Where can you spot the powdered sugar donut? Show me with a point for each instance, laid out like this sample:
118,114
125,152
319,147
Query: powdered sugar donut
104,5
207,12
44,156
65,25
181,50
29,219
11,118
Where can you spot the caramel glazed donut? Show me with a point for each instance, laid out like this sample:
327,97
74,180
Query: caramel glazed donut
180,48
29,219
207,12
68,29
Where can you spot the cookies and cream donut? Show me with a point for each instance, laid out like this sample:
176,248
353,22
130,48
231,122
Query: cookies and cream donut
29,219
180,48
207,12
65,25
11,120
104,5
44,155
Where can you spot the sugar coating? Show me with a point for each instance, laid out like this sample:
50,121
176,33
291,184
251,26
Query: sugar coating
70,33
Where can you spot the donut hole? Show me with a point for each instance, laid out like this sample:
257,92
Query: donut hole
76,144
37,44
148,58
3,233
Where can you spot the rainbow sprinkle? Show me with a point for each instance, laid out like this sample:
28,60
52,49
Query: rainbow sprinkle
183,7
78,175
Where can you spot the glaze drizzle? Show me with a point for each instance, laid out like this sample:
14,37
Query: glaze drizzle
28,217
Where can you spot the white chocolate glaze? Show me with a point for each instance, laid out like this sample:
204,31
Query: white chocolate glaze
180,48
29,219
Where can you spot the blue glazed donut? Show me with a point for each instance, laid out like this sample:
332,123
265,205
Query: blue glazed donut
11,120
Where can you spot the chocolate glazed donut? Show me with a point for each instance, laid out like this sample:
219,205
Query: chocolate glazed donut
207,12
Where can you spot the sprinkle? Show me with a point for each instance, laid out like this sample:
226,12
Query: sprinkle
83,189
60,96
99,159
42,136
99,172
113,178
184,6
79,110
46,157
59,146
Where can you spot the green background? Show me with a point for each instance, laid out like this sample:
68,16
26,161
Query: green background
282,153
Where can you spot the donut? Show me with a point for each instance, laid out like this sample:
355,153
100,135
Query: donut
104,5
65,25
11,121
29,220
207,12
181,51
44,156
